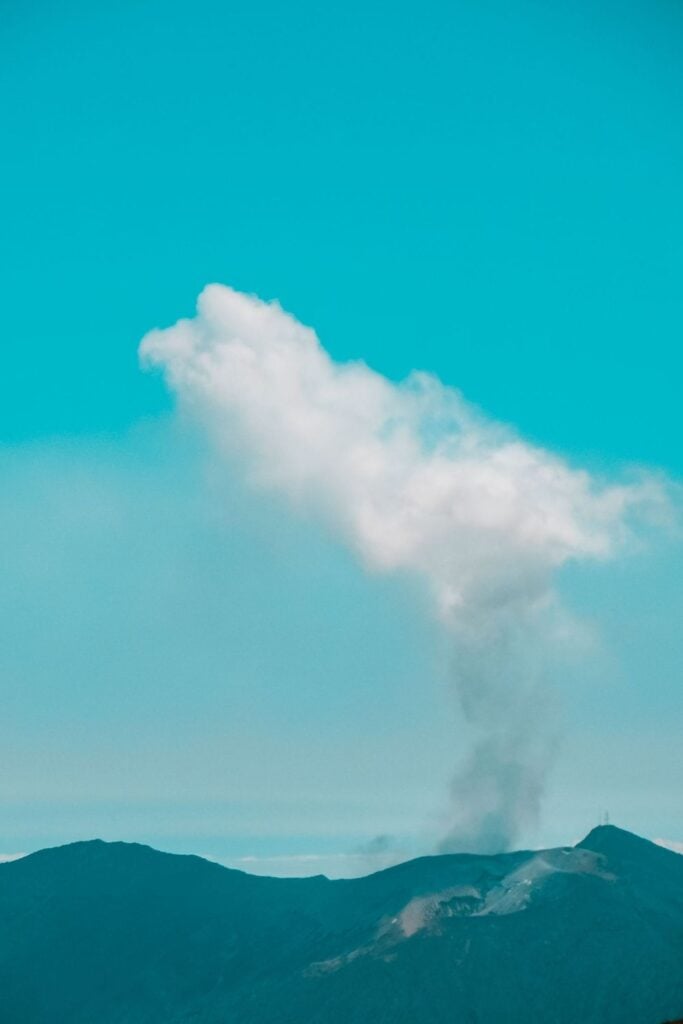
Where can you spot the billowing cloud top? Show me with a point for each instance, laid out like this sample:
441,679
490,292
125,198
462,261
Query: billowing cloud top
409,474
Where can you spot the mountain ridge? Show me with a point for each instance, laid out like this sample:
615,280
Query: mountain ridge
125,934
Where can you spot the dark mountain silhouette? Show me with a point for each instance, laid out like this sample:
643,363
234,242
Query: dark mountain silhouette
116,933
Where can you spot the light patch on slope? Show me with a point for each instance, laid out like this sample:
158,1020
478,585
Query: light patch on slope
510,896
515,891
422,910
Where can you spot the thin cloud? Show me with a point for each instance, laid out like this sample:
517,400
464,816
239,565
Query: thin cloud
676,845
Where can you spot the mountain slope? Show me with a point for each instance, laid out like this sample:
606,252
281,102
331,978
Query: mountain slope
121,934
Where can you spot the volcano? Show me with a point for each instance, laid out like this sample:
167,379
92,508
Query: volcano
119,933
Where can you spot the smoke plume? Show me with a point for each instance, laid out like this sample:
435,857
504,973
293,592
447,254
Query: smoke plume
416,480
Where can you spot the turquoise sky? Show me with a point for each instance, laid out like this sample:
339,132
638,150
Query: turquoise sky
488,191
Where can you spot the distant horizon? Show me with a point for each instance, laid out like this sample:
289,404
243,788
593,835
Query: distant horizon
243,864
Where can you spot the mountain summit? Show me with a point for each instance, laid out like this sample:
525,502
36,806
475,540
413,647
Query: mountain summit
121,934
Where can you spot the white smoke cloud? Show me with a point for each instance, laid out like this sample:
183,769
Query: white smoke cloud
414,479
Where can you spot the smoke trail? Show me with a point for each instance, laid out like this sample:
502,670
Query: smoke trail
416,480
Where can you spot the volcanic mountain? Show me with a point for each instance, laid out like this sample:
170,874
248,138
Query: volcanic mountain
116,933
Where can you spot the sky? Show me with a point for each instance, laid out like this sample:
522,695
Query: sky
486,192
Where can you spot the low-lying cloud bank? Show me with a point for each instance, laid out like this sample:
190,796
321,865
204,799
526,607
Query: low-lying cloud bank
675,845
416,480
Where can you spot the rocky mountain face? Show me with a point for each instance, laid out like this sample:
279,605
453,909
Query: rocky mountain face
117,933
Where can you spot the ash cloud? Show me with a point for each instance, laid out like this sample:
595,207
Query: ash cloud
415,480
